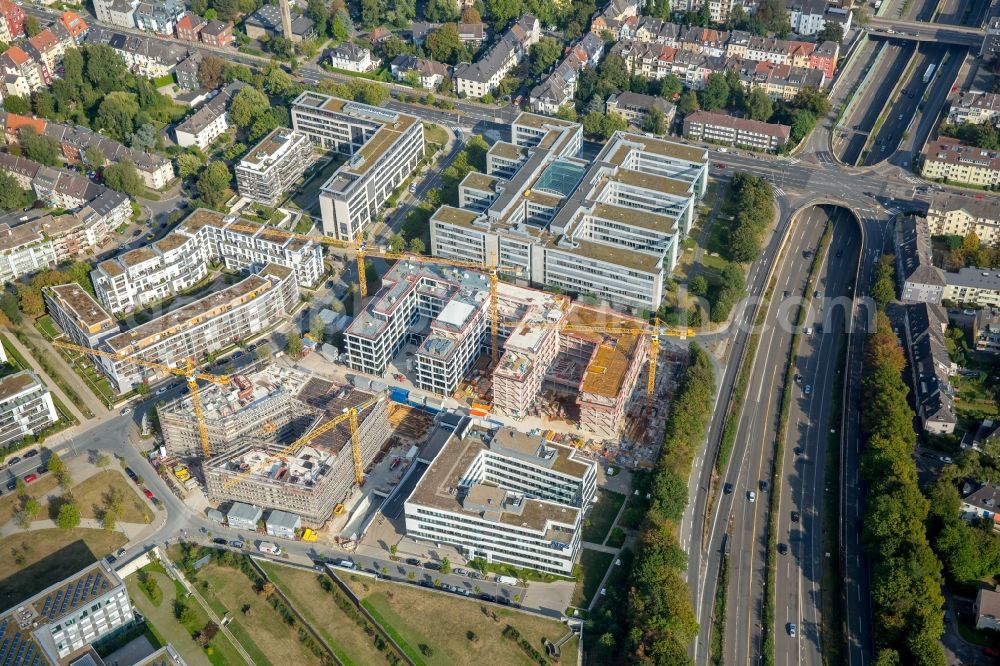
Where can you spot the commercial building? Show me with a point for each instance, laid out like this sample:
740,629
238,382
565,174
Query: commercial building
743,132
244,516
504,496
267,172
202,327
951,160
958,214
57,625
180,260
26,407
310,480
610,228
384,149
483,76
78,315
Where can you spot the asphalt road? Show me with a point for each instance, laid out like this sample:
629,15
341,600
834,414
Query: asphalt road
927,32
798,591
901,111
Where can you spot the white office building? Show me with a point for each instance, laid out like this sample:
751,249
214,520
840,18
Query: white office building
503,496
385,148
610,228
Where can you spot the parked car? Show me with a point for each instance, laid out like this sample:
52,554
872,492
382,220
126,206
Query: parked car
130,474
147,492
125,411
220,541
14,460
30,478
413,562
31,454
946,460
121,552
236,544
433,566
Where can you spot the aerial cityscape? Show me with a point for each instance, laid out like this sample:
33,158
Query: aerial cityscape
440,332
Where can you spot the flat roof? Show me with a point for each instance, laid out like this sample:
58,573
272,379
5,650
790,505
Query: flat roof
272,147
507,150
80,304
610,254
454,215
651,181
17,383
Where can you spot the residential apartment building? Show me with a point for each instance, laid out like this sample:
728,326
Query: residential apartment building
22,74
217,33
202,327
609,228
145,56
505,497
11,21
635,108
189,26
57,625
920,280
180,260
973,286
353,58
959,214
483,76
559,87
209,122
24,249
385,148
429,73
930,367
119,13
159,16
311,481
951,160
78,315
976,108
267,172
743,132
986,330
26,407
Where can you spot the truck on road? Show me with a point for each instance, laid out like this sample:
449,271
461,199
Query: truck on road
930,72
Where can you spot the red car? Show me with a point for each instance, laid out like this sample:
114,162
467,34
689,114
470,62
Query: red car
148,493
30,478
991,652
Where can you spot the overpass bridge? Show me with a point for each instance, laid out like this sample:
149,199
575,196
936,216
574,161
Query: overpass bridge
917,31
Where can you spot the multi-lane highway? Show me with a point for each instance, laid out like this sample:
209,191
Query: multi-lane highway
799,597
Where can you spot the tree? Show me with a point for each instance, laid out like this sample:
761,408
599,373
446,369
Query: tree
417,246
210,71
444,44
11,194
102,460
340,28
56,464
188,165
445,565
247,105
471,15
688,103
94,156
117,114
698,285
372,12
758,105
544,54
883,288
69,515
812,100
294,346
396,243
671,87
716,92
213,184
317,327
441,11
124,178
40,148
832,32
656,122
31,508
16,104
31,26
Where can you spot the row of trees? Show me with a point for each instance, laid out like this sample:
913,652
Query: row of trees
906,579
722,293
969,250
659,603
751,203
983,135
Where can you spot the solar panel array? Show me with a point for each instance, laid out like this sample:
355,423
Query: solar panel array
18,649
74,594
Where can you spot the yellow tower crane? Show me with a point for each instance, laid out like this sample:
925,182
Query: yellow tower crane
189,372
350,414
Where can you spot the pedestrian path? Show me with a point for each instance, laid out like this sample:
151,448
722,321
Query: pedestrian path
66,371
21,349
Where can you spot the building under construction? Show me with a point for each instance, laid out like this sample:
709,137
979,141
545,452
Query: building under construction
310,480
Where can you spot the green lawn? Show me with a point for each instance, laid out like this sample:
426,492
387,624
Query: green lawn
457,630
90,495
435,134
601,517
595,564
47,328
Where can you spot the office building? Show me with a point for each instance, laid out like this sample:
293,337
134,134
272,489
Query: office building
57,625
202,327
505,497
313,479
384,148
26,407
608,228
244,516
743,132
267,172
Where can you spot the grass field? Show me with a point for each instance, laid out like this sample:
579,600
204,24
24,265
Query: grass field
90,494
351,643
416,617
261,630
595,564
435,134
31,561
11,503
166,626
602,516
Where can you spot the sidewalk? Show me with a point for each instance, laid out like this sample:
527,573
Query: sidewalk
68,374
76,413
